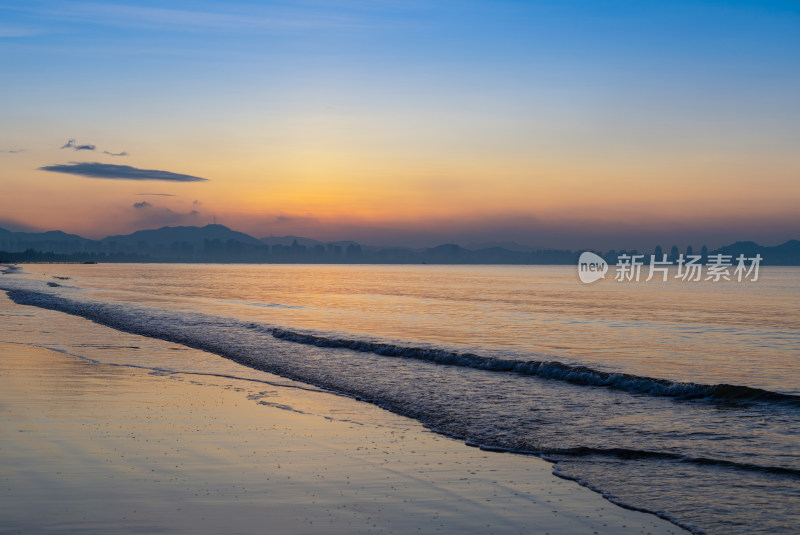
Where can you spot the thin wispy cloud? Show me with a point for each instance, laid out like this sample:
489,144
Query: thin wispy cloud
158,194
15,151
273,18
118,172
71,144
74,145
18,31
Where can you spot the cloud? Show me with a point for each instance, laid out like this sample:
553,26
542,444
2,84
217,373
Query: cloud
17,151
118,172
72,145
266,18
7,30
148,215
158,194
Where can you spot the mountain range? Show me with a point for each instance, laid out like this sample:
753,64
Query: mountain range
217,243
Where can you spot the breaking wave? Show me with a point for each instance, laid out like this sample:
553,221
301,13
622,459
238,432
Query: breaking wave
120,317
579,375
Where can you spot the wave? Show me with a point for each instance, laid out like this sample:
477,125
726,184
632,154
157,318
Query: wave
625,454
552,370
575,435
556,455
114,316
579,375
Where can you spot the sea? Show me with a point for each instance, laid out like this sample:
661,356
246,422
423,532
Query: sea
679,398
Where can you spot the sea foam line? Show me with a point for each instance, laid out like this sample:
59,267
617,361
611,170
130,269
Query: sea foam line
579,375
130,318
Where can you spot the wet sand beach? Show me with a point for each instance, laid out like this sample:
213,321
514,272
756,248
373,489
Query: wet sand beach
90,448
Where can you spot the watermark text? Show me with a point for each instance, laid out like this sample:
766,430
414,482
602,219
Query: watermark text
689,268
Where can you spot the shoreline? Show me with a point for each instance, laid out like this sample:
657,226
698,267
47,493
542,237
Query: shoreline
93,448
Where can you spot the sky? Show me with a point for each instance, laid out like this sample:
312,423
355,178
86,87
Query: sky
580,124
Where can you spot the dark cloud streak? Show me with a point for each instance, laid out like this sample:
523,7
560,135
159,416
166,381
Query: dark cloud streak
118,172
72,145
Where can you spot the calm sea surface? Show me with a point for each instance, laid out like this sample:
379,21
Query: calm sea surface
680,398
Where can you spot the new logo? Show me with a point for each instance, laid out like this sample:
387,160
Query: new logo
591,267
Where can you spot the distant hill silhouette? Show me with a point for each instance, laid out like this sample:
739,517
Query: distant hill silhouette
168,235
217,243
786,254
54,241
181,242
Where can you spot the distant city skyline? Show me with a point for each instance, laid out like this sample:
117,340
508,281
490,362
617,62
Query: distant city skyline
191,242
595,125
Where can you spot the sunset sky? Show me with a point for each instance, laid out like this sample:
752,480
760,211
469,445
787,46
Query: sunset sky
591,124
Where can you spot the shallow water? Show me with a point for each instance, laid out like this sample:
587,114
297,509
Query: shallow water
618,382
